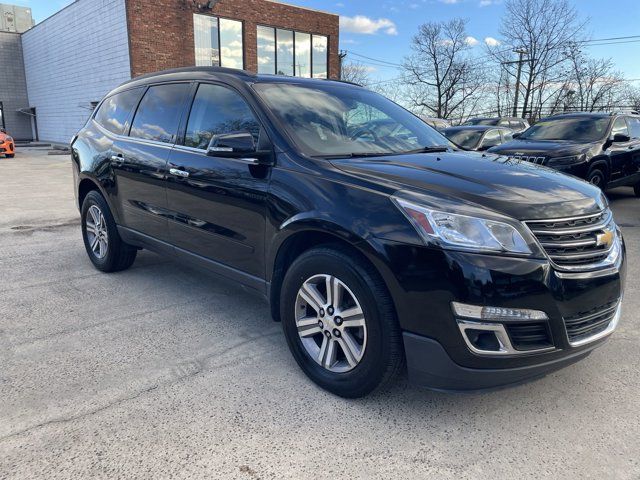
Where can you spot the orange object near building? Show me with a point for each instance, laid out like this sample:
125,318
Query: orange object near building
7,147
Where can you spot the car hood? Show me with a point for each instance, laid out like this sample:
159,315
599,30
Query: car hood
515,188
556,148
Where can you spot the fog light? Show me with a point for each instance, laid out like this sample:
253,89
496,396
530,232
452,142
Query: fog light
477,312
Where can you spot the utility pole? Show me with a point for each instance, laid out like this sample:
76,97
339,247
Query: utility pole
341,56
520,61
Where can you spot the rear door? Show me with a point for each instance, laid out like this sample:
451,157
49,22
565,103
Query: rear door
633,165
140,160
218,204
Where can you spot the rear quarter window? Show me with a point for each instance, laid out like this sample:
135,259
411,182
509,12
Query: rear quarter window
114,112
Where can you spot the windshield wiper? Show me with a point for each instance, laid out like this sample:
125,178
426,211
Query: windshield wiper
431,149
352,155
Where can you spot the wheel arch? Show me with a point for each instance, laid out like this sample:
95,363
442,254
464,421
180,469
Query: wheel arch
298,237
602,163
87,184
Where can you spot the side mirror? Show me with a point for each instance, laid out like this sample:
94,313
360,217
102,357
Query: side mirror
241,146
2,130
621,138
516,134
228,144
482,148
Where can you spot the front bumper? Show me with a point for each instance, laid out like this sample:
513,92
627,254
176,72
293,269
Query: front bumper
423,282
429,365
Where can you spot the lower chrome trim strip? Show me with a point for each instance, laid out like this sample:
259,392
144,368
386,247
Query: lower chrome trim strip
607,331
506,348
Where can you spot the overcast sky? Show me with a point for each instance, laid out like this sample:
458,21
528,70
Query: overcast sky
382,29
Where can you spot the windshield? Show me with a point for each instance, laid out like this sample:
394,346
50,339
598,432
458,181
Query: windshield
464,138
575,129
337,120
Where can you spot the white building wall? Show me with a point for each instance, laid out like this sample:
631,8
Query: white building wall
72,59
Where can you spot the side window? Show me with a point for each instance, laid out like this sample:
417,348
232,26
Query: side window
158,114
217,110
503,123
619,127
114,111
507,135
634,127
516,125
491,139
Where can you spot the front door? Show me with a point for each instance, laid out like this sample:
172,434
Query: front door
621,152
217,204
140,160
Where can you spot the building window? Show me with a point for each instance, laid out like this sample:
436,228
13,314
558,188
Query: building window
266,50
319,55
285,52
303,55
218,42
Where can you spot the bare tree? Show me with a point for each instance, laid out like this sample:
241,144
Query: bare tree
355,72
546,29
595,83
441,79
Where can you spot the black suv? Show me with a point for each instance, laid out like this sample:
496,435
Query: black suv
373,246
602,148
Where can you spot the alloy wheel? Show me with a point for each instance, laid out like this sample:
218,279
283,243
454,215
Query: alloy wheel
97,235
331,323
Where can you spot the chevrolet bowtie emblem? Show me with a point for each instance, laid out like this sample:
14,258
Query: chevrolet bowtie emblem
605,239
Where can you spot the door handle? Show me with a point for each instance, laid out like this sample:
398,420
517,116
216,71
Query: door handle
178,173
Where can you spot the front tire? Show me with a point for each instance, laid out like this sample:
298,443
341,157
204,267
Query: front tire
103,244
597,177
10,155
340,323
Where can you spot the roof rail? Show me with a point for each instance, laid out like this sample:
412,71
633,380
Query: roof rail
231,71
625,112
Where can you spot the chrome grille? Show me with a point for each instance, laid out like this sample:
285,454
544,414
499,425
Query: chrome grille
576,243
530,158
586,325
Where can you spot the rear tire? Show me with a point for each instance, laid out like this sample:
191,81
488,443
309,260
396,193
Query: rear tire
105,248
597,177
10,155
367,349
636,189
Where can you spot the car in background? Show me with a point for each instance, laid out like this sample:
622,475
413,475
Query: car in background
7,145
514,123
477,137
437,123
602,148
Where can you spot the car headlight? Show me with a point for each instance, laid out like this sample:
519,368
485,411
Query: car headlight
565,161
456,231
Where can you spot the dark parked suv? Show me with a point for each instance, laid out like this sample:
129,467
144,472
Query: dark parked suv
373,246
602,148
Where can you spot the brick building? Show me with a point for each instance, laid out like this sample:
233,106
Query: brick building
76,56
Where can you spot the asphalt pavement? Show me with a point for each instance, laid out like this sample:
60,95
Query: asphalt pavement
165,372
